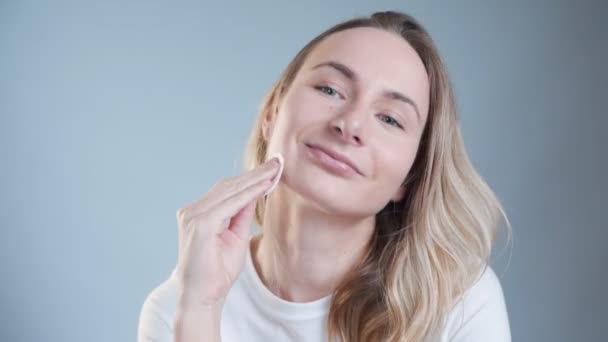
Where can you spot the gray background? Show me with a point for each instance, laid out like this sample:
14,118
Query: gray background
113,115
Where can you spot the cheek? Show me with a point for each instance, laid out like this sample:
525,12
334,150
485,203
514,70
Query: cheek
305,106
392,166
301,112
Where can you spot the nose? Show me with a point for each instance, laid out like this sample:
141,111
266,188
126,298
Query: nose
349,127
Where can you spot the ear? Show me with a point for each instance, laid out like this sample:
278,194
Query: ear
268,124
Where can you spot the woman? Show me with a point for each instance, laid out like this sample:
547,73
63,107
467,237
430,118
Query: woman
379,228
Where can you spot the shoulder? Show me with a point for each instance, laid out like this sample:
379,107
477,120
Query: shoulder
485,290
158,312
481,315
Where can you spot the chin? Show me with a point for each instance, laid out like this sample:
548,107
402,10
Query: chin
324,193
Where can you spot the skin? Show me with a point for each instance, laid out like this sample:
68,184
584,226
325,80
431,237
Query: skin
314,214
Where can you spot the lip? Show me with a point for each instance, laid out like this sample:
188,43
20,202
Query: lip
337,156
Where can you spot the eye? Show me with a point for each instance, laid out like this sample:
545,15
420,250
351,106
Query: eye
328,90
390,120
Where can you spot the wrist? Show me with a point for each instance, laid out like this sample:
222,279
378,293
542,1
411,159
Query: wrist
188,302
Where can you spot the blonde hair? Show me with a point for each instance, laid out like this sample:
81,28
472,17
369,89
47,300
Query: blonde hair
428,248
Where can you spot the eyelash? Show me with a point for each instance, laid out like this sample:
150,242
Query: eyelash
396,123
393,121
322,87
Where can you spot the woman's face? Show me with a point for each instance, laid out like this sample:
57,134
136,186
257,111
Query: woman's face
363,94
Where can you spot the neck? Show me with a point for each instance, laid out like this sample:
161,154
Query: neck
303,253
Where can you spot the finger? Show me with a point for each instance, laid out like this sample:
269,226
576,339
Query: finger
268,170
231,187
240,223
229,207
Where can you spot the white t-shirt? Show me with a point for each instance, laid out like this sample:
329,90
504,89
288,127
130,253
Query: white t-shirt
254,314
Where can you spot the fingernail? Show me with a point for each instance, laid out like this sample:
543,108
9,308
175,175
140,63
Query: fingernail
275,160
271,161
276,179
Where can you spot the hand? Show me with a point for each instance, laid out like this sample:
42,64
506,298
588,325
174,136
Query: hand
213,234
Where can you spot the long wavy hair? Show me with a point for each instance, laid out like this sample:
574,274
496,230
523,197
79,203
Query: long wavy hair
428,248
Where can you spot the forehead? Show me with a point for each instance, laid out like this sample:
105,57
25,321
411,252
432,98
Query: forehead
378,57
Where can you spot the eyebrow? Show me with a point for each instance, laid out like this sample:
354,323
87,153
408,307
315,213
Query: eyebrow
351,75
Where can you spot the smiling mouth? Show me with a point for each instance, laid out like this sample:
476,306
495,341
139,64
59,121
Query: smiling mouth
328,161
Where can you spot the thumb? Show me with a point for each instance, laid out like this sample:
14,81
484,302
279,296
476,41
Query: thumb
241,222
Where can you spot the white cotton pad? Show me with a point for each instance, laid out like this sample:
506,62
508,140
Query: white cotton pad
279,156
